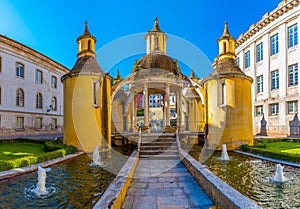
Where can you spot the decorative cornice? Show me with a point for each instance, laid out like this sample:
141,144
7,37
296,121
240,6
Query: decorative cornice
283,7
32,52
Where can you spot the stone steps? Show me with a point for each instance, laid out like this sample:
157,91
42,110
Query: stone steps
159,140
160,157
161,148
158,152
158,144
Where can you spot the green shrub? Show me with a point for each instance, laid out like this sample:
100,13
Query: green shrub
50,146
35,141
260,144
244,147
272,154
71,150
30,160
272,140
140,112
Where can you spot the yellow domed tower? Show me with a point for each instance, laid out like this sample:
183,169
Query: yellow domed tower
229,109
87,93
156,40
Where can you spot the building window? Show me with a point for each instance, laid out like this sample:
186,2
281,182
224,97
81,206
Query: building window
247,59
0,64
259,110
20,123
96,93
274,109
38,76
260,84
20,98
19,70
274,44
0,95
238,61
259,52
293,35
293,75
89,45
292,107
53,124
223,93
38,123
224,47
54,104
275,79
53,82
39,101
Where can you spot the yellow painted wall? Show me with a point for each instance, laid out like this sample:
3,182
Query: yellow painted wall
230,46
83,121
229,124
156,41
86,47
196,116
117,116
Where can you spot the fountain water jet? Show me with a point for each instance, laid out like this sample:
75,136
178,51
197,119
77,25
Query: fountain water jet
96,158
224,155
279,177
41,184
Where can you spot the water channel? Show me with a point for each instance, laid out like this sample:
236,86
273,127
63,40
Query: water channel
77,184
72,184
254,178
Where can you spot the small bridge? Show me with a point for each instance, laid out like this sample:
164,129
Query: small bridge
161,175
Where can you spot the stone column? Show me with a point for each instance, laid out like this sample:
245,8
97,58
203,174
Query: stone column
125,119
146,106
186,117
167,105
125,123
133,111
178,108
164,111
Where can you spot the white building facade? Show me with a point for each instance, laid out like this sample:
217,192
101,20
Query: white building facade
31,93
269,53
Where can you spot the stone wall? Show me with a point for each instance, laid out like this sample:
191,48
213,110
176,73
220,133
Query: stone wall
220,192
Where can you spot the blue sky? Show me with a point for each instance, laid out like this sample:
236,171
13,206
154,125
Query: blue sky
51,27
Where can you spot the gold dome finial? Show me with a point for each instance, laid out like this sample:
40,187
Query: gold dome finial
193,74
118,77
226,31
226,44
156,27
86,43
86,29
118,74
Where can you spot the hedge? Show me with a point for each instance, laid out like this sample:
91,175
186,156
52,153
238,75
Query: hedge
30,160
36,141
50,146
272,140
272,154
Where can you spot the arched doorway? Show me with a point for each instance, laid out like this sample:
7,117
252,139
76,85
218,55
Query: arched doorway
159,101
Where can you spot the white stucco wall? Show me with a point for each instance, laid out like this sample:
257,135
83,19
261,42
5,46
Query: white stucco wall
10,53
278,124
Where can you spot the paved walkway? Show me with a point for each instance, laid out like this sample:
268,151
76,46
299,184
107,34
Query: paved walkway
164,184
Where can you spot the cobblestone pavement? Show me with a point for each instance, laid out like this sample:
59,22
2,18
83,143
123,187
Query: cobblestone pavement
165,184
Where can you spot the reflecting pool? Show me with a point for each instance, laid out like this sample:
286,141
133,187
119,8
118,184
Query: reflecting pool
71,184
254,178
